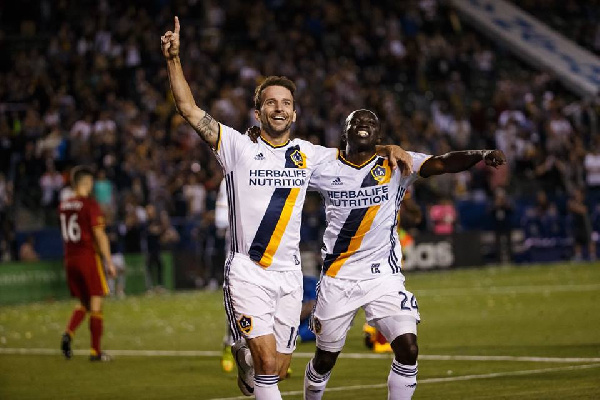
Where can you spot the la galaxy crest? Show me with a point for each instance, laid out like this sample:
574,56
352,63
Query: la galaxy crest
298,158
316,325
245,324
378,173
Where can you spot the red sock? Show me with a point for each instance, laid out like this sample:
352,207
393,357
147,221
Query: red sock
76,318
96,331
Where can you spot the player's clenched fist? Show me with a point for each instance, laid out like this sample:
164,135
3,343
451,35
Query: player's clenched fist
169,42
494,158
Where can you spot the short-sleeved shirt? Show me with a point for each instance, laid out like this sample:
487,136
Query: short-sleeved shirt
266,187
361,206
78,216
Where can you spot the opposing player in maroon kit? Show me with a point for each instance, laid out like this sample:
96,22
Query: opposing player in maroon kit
86,246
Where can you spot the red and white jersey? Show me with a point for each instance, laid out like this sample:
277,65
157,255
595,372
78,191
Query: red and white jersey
78,217
266,187
361,206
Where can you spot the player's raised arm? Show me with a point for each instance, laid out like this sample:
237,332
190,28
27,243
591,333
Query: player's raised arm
203,123
457,161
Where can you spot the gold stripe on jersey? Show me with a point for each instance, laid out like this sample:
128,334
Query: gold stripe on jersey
355,242
279,230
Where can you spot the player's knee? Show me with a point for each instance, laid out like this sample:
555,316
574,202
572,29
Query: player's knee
283,373
406,350
324,361
266,364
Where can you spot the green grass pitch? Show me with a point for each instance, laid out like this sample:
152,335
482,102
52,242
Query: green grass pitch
543,320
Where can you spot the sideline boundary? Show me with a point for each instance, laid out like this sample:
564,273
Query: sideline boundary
208,353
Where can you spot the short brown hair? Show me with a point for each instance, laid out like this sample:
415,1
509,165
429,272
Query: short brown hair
272,81
79,172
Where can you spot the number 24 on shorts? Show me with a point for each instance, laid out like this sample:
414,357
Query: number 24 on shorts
405,305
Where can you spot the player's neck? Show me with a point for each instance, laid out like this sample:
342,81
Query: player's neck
359,156
275,140
81,193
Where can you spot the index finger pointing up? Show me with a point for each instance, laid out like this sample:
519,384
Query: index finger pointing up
176,25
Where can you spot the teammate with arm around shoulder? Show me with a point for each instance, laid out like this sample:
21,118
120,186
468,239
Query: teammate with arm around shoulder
86,246
361,252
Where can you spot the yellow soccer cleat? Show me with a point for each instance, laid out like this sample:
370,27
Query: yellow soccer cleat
227,362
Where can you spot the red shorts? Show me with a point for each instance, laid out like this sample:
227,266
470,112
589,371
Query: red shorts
85,276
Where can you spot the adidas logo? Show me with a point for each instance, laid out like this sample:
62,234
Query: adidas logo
337,181
259,157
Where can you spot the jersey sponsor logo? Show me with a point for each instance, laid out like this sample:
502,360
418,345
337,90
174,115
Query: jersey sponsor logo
378,173
259,157
337,181
375,268
245,324
283,178
365,197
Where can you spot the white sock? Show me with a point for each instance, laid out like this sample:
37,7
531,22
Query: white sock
314,383
265,387
402,381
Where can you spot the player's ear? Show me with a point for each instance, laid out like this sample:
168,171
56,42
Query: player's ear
294,116
257,115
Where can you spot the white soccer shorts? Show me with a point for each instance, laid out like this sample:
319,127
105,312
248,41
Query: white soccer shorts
388,306
261,302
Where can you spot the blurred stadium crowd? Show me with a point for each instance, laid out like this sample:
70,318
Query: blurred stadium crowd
85,82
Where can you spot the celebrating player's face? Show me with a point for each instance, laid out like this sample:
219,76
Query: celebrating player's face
362,129
276,113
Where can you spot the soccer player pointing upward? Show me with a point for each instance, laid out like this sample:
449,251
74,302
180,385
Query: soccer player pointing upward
266,187
361,252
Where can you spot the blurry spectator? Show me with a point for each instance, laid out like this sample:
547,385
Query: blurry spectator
581,226
103,191
543,219
116,232
169,234
195,195
154,265
550,173
51,183
27,251
592,169
502,212
443,217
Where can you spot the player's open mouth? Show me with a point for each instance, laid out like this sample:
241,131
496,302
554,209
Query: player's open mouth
279,118
363,133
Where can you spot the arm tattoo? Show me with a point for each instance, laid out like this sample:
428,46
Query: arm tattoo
204,127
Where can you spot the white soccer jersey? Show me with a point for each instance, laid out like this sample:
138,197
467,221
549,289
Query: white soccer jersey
266,188
361,205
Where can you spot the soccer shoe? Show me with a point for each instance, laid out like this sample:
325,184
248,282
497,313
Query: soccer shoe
102,357
65,346
227,362
382,347
243,359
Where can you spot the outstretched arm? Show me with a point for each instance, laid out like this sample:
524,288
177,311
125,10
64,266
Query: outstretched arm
457,161
200,120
